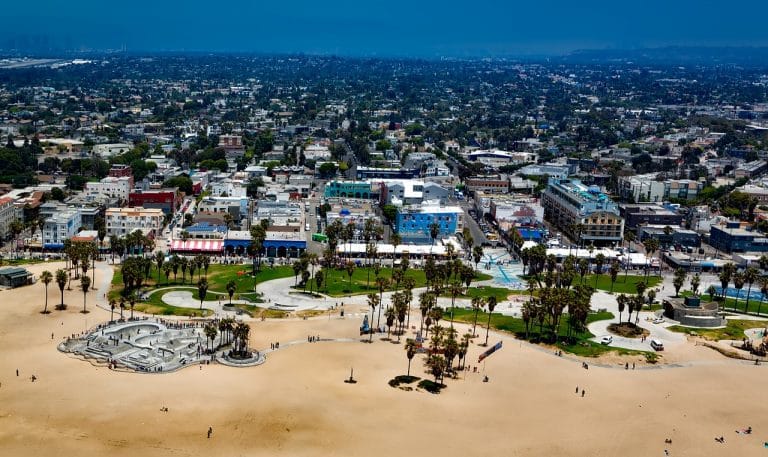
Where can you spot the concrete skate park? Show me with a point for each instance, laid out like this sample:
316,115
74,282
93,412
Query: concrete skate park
150,346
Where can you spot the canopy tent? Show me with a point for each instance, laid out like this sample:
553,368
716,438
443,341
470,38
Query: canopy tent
198,245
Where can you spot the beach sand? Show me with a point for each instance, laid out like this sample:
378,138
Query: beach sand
297,404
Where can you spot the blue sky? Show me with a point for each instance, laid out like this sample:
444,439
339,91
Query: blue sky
415,28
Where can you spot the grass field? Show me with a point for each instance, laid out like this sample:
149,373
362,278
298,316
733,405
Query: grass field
501,293
582,346
337,282
755,306
218,276
734,330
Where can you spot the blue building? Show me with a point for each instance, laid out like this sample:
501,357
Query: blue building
413,224
733,238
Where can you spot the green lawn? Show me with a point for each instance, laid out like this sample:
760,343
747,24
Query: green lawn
582,346
623,285
755,306
501,293
338,284
734,330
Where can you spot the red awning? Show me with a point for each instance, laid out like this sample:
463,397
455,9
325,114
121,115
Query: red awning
198,245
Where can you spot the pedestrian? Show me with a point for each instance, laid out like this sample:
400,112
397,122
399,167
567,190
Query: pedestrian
582,393
17,372
210,432
633,365
577,389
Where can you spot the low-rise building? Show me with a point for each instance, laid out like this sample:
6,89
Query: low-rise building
60,226
111,186
122,221
414,223
733,238
8,214
168,200
348,189
649,214
750,169
494,184
648,188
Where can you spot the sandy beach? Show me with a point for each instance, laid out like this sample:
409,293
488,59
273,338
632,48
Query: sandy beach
296,404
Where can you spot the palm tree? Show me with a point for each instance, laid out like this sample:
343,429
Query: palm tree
738,283
61,281
46,277
599,262
373,302
231,289
477,303
160,259
491,303
726,273
614,272
763,282
167,271
621,300
750,276
389,316
350,271
395,240
202,290
455,290
434,231
85,284
210,331
184,264
410,351
695,283
112,304
651,246
382,284
477,255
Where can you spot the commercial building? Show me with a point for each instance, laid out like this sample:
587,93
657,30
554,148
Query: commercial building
647,188
750,169
167,200
7,215
675,237
649,214
60,226
495,184
386,173
348,189
756,192
497,158
122,221
570,206
121,171
733,238
413,223
554,171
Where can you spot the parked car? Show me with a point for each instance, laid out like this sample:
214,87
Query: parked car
607,339
657,345
658,320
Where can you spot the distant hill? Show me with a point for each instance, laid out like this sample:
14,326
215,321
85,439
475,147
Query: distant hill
675,55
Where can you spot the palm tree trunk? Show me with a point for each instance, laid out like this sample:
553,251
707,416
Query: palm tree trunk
474,324
409,367
746,307
46,300
488,328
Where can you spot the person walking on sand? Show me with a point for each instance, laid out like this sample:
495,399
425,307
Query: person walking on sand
577,389
582,393
210,432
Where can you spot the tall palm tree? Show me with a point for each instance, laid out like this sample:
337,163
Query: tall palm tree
395,239
491,303
738,283
410,352
160,259
477,303
455,290
46,277
763,282
373,302
61,281
750,276
434,231
85,284
112,305
202,290
231,289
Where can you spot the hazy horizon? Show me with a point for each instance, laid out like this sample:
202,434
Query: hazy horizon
426,29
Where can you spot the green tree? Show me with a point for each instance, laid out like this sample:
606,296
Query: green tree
679,280
202,290
46,277
85,284
61,281
231,289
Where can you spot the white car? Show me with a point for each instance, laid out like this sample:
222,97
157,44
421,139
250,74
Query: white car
658,320
607,339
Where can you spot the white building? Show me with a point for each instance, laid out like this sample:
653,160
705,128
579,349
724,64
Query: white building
109,150
7,215
122,221
114,187
59,227
647,188
317,152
